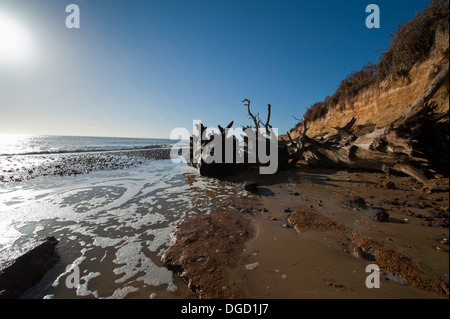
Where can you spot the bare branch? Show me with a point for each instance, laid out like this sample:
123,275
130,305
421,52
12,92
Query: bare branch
305,129
267,125
290,138
300,120
250,113
230,125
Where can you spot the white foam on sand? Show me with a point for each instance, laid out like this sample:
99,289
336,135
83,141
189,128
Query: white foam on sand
135,263
122,292
117,216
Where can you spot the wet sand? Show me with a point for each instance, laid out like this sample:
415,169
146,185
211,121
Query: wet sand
324,253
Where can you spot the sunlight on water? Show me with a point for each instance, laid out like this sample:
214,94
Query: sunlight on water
15,143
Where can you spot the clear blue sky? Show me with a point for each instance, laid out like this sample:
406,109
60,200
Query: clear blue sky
142,68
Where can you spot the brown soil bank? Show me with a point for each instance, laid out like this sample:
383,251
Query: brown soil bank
379,94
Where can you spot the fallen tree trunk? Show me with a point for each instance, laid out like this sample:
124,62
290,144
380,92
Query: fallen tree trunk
395,147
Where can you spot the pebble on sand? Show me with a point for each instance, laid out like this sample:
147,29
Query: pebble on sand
252,266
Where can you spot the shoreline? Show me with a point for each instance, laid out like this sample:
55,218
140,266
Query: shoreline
310,260
19,168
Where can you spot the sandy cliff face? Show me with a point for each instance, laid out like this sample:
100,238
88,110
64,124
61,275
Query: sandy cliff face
381,104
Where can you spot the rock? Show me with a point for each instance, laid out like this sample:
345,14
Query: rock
287,210
439,223
379,214
252,266
422,205
387,185
445,250
410,213
25,271
355,202
251,186
441,213
358,252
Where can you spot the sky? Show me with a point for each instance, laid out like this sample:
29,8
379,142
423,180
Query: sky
143,68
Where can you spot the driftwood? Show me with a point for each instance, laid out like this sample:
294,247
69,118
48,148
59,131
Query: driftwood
248,150
401,146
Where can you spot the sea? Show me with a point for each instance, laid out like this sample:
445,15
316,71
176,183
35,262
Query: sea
113,214
16,144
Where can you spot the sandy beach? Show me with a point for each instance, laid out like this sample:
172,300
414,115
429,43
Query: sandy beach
319,257
169,233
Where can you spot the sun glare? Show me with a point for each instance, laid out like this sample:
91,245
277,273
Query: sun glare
15,42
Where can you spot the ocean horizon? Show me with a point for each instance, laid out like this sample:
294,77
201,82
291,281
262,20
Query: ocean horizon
29,144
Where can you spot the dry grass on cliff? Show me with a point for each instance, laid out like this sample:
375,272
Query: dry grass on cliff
413,41
411,44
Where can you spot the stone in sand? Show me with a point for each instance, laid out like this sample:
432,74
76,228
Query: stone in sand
25,271
379,214
387,185
355,202
251,186
252,266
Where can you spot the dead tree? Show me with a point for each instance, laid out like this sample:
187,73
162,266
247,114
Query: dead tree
251,114
205,148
